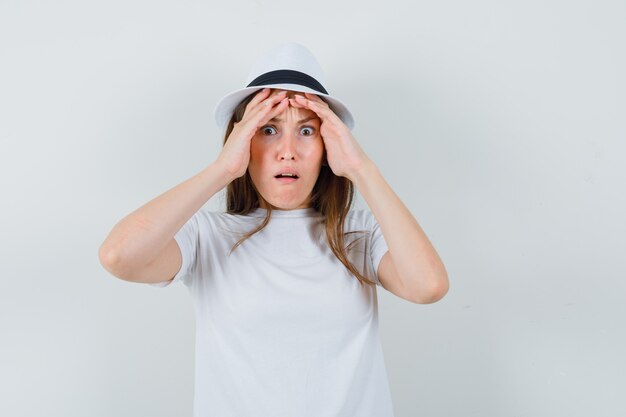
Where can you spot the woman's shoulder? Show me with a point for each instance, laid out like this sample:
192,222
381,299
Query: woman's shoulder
211,218
207,212
360,219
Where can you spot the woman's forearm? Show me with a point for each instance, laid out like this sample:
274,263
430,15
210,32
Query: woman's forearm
142,235
416,261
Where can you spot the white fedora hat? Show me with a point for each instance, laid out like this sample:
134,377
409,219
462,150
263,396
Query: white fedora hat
290,66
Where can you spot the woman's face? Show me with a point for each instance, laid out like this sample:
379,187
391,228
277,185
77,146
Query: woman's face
290,141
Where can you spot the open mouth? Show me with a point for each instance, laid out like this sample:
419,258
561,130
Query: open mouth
286,178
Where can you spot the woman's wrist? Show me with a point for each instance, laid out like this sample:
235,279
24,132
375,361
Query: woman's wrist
363,172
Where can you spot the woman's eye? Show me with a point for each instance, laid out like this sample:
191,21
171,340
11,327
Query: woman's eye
270,130
266,128
307,129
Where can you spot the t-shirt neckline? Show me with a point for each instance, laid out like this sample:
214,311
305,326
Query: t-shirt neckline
303,212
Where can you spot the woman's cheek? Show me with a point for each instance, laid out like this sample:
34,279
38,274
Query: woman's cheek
308,150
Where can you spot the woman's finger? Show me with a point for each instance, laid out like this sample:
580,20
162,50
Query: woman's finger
296,104
265,106
258,97
272,111
322,109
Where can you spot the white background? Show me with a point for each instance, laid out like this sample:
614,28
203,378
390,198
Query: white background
500,125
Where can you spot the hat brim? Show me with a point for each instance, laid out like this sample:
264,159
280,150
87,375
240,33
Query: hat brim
227,104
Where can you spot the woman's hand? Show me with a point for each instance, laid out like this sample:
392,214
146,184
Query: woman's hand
344,155
235,155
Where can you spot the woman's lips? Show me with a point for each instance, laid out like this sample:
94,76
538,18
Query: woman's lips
287,180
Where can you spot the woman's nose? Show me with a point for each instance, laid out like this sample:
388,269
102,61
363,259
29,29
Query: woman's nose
287,146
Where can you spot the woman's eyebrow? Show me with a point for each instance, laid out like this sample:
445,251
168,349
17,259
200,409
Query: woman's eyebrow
279,120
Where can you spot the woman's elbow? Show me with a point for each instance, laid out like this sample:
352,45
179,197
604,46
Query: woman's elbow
435,291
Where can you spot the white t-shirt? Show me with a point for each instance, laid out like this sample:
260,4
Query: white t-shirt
283,329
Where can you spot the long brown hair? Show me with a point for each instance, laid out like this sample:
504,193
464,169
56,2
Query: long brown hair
331,196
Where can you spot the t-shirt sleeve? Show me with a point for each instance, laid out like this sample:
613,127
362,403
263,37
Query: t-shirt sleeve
377,245
187,239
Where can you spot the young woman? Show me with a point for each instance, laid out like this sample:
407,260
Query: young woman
284,281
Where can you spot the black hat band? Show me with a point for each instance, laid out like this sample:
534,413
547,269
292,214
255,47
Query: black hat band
288,77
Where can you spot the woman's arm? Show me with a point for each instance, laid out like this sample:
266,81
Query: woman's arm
131,250
411,268
140,237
